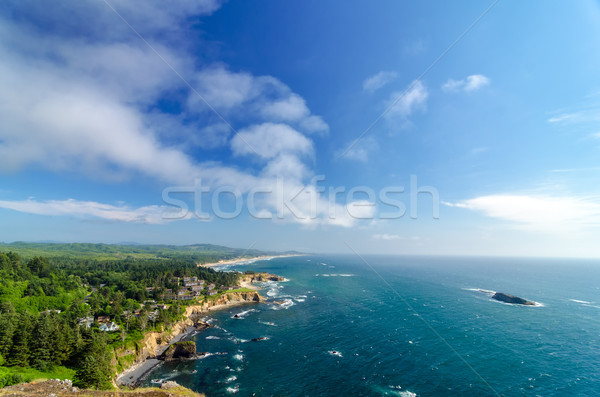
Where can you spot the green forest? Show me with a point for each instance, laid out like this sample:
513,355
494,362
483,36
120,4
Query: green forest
45,301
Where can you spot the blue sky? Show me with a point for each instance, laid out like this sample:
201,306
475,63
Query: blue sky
112,110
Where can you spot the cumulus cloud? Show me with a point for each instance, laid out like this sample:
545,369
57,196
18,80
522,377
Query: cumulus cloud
471,83
83,95
245,97
548,214
269,140
379,80
404,103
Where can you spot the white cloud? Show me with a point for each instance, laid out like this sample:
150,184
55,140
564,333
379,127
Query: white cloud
379,80
549,214
83,99
472,83
404,103
269,140
388,237
358,150
153,214
242,96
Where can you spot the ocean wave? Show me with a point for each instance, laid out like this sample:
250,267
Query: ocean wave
231,379
234,389
239,357
212,337
268,323
286,304
334,275
485,291
335,353
241,315
582,302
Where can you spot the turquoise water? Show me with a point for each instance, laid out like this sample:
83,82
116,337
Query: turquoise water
419,329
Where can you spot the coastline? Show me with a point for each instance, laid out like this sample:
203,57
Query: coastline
239,261
135,374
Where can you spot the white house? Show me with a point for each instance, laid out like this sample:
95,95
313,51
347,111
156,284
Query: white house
109,327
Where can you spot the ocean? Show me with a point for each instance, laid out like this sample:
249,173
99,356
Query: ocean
405,326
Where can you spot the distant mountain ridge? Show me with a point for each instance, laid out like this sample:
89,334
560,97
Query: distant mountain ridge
196,252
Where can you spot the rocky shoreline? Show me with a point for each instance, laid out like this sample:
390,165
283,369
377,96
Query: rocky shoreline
155,344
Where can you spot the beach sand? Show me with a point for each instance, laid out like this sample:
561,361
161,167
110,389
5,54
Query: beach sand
238,261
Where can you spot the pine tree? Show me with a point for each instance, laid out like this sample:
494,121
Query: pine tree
19,352
93,371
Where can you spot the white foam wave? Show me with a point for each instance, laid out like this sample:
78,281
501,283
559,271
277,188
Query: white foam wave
231,379
234,389
286,304
243,314
212,337
268,323
239,357
485,291
578,301
335,353
334,275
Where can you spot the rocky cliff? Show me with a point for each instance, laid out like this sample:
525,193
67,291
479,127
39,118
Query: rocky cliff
254,277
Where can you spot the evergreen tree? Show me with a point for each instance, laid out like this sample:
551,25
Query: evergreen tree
19,352
41,343
93,371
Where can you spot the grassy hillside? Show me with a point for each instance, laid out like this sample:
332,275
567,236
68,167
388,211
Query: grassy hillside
196,252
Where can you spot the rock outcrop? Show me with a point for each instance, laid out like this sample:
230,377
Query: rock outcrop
254,277
180,350
515,300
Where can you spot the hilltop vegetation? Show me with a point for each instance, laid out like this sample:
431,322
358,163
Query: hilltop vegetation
201,253
71,312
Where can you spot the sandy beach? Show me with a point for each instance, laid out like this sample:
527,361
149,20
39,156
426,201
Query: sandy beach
238,261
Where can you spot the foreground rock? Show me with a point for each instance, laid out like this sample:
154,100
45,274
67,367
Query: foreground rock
58,388
181,351
515,300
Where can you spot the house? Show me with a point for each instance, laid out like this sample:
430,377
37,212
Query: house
109,327
197,288
153,316
149,302
212,292
85,321
162,307
211,286
103,319
186,297
51,311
